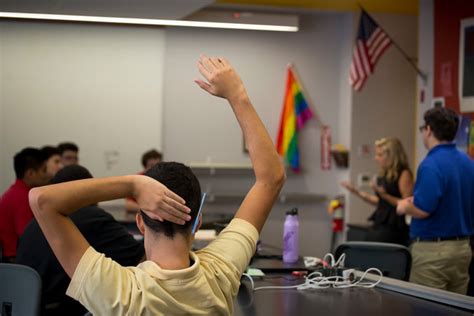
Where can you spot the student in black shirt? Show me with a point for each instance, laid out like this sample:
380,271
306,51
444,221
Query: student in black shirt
100,229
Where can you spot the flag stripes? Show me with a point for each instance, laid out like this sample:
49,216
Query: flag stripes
370,44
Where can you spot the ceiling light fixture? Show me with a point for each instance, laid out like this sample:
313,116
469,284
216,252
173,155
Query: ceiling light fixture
136,21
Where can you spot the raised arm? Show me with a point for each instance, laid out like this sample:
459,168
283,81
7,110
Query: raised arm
223,81
52,204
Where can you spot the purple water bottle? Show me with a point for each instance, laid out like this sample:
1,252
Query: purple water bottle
291,236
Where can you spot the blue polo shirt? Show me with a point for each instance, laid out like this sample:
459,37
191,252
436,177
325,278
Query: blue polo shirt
444,188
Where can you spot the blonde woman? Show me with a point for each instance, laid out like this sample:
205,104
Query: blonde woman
394,183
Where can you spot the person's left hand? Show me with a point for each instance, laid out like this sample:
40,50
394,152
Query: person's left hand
159,202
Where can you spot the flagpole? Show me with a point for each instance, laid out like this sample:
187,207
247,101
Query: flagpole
295,73
405,55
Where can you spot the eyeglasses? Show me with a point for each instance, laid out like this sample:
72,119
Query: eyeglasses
421,128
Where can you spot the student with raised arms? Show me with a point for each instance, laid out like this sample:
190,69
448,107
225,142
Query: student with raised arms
173,280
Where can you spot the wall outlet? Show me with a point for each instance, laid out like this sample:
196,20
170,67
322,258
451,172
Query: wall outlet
363,180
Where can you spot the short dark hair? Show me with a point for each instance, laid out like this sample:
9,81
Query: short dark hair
28,158
62,147
443,122
50,151
71,173
181,180
151,154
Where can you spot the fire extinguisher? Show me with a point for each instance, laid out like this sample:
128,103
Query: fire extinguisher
336,209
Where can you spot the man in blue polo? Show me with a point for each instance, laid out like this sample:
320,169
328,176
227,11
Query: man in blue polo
442,207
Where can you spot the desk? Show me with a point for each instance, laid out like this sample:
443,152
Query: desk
334,302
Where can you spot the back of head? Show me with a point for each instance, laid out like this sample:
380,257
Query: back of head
62,147
28,158
151,154
71,173
396,156
443,122
181,180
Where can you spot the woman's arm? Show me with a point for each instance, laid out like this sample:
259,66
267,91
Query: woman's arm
367,197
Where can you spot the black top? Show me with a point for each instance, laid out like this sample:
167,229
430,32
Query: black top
102,232
385,215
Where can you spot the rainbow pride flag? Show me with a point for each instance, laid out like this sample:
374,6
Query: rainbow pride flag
294,115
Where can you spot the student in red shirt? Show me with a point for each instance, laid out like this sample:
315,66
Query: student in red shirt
15,211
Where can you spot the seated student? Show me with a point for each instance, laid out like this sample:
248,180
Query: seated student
99,228
15,211
53,162
174,280
149,159
69,153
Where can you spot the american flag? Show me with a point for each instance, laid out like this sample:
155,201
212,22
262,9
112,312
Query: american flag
370,44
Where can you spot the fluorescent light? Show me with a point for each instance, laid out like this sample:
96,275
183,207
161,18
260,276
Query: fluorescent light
103,19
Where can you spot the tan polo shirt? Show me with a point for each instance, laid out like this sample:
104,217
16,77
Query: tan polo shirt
208,287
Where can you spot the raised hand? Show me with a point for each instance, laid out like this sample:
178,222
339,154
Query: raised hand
222,80
158,202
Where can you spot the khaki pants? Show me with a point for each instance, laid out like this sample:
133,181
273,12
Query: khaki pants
443,265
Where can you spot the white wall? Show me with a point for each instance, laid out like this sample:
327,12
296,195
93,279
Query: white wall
386,105
206,124
426,64
198,127
97,85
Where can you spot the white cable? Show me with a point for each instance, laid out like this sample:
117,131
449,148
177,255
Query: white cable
331,264
316,280
340,261
252,283
250,278
359,282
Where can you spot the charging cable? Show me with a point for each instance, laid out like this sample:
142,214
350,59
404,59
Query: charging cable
330,261
316,280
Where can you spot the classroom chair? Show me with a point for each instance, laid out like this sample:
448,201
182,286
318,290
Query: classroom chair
20,290
393,260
